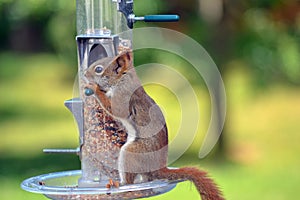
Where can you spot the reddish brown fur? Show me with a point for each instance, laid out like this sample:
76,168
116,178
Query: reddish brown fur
139,106
205,185
122,64
105,101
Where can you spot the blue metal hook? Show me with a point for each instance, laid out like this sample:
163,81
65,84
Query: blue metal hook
161,18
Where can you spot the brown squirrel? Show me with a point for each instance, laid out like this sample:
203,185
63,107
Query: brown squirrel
143,157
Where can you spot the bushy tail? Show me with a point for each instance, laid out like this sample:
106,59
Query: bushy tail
204,184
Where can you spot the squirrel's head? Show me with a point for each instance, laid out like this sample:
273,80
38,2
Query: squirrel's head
106,72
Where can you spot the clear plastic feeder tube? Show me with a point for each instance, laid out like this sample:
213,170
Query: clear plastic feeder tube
102,32
96,16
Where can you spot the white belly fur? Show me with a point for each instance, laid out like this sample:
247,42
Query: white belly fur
130,138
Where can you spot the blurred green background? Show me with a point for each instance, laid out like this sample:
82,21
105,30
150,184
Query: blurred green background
254,43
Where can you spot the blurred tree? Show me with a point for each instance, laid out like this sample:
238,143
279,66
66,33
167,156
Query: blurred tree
261,34
31,26
269,42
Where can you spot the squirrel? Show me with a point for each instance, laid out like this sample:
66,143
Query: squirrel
114,82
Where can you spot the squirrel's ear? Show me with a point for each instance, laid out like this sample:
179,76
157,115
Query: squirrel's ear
124,61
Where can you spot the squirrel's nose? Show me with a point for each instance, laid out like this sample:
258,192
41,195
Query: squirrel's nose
86,73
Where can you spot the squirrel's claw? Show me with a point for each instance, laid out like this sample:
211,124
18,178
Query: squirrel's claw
112,183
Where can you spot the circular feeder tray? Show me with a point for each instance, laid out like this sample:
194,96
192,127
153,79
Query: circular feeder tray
64,185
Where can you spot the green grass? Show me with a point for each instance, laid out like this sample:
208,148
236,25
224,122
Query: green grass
262,132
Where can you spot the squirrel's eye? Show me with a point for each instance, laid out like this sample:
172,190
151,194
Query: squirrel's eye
98,69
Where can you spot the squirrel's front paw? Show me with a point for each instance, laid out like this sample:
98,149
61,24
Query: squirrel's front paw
90,89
